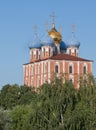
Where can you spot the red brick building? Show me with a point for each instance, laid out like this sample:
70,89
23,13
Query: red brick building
51,55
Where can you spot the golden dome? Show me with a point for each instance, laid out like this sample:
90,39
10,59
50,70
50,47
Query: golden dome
55,35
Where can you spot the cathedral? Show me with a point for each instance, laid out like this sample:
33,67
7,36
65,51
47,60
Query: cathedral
51,55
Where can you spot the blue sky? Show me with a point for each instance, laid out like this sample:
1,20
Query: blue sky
17,19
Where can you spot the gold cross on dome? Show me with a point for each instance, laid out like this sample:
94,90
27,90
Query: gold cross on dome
35,29
61,29
53,16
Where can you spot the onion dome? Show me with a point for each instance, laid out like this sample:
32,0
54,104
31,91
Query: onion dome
63,45
55,34
35,43
47,40
73,42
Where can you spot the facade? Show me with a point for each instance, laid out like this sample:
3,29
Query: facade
51,55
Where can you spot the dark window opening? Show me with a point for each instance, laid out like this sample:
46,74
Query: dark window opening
71,81
69,51
75,52
36,54
49,51
56,68
70,69
84,70
44,51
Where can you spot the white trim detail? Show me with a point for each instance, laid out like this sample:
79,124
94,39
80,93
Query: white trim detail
78,73
48,71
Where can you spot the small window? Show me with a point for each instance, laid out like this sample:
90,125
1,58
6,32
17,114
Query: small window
49,51
69,51
71,81
56,69
36,54
84,70
44,51
75,52
32,54
70,69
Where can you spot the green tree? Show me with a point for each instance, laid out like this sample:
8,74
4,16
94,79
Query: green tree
56,106
9,96
12,95
26,95
5,120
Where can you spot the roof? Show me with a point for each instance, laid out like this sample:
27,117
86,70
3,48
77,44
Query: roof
63,56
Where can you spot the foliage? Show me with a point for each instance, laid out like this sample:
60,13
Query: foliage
13,95
87,80
5,120
56,106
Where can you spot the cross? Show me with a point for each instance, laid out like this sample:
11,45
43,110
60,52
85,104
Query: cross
53,16
73,28
35,29
46,26
61,29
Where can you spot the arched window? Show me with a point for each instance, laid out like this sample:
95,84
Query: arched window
56,69
32,55
49,51
71,81
44,51
75,52
84,70
36,54
69,51
70,69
